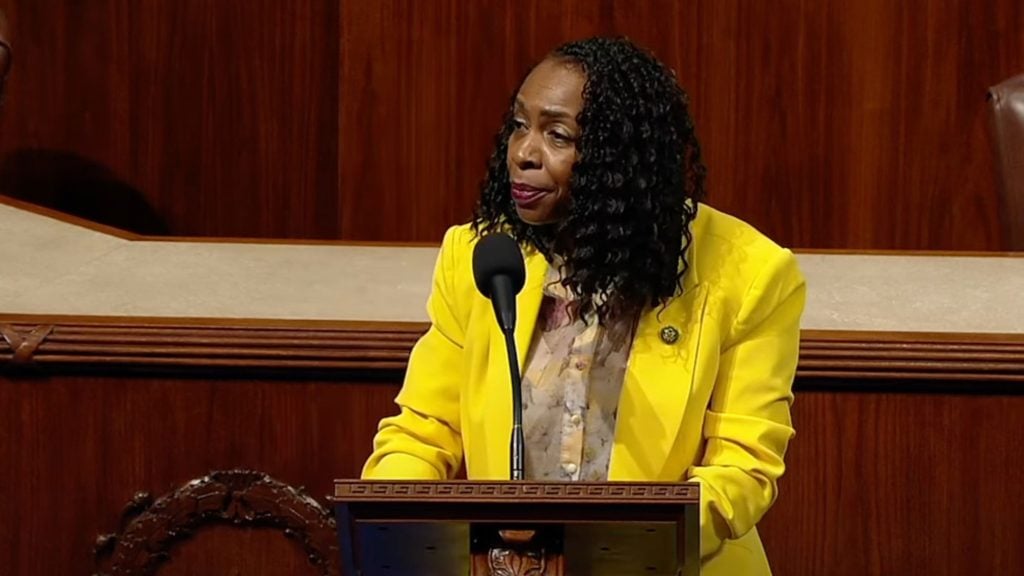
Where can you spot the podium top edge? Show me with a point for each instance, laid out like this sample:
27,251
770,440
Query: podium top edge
517,491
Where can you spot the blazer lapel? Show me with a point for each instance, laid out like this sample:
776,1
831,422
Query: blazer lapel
659,378
528,303
657,385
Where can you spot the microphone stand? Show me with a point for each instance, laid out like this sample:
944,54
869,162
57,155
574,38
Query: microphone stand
517,442
503,298
499,274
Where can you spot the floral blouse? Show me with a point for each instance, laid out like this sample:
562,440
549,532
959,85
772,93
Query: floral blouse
571,382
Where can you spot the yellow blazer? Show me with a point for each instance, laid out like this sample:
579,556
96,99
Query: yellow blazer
711,407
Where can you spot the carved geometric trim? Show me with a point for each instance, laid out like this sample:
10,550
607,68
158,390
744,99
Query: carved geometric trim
249,346
238,498
22,345
515,492
385,346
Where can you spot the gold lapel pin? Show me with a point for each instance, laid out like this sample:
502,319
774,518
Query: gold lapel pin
669,335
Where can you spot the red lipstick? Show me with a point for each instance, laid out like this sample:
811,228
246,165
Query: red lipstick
526,195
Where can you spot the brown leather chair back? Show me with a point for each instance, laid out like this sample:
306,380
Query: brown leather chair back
1007,113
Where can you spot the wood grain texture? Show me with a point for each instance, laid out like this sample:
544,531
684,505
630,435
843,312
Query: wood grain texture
384,347
825,125
198,345
892,483
908,481
230,550
902,466
833,358
194,117
76,447
887,475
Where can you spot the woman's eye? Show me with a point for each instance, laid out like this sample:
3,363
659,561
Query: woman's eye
518,124
559,137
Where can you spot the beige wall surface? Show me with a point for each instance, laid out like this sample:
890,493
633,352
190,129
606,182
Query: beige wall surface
53,267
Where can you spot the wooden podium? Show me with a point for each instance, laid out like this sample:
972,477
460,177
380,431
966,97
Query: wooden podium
517,528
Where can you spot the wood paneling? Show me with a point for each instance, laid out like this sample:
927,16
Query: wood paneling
222,550
897,483
859,125
76,447
902,464
193,117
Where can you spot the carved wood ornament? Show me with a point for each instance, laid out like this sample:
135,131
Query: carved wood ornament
151,529
508,562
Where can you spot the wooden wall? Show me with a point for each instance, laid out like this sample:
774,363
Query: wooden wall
192,117
76,448
828,125
901,479
906,461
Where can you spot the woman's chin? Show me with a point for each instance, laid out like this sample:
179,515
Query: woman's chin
535,217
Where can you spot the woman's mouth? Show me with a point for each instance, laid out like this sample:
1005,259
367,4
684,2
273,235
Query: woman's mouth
526,195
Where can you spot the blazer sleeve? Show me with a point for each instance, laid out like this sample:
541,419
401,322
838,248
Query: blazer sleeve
424,442
747,426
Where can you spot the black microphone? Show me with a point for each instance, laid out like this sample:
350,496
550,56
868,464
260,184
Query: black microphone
499,273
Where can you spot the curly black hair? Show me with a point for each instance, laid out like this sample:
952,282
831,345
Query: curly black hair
634,189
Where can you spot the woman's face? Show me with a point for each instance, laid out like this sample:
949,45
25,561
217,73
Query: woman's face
542,147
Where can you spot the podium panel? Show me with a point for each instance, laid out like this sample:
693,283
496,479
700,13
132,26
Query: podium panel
492,528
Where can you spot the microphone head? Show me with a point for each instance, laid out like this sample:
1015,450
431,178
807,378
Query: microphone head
497,255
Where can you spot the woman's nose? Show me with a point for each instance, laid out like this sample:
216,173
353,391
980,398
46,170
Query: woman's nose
526,153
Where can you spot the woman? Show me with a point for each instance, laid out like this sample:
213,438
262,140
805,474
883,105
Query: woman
660,335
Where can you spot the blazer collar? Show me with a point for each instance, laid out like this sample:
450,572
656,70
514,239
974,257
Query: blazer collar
530,297
528,302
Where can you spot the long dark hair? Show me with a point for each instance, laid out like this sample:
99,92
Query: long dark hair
634,188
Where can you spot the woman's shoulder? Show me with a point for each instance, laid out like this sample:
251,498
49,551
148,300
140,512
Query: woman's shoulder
455,260
459,237
716,229
732,254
